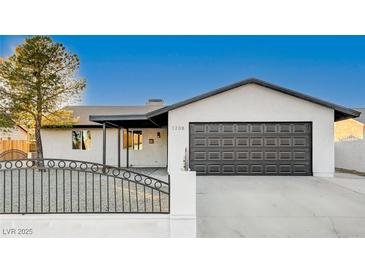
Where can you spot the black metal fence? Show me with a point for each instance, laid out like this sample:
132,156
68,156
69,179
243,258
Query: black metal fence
57,186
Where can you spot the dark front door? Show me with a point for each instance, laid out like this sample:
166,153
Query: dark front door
275,148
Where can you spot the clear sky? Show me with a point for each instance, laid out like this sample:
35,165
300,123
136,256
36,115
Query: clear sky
130,69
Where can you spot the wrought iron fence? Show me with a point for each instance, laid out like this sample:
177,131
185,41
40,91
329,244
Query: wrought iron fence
58,186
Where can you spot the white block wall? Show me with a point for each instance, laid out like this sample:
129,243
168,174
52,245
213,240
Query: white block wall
254,103
350,155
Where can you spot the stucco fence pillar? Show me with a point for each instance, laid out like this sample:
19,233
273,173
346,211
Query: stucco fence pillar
183,203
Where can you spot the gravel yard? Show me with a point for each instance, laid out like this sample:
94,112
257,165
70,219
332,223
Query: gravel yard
71,191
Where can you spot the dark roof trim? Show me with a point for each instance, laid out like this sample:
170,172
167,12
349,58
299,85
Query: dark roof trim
119,120
22,128
106,118
340,111
72,127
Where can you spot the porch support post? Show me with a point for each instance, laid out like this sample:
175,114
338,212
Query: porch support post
127,147
119,147
104,143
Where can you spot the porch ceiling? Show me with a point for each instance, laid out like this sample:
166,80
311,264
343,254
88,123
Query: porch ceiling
128,121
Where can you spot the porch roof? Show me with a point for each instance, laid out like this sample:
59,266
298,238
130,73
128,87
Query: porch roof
130,120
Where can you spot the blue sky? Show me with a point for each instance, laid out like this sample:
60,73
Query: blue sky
130,69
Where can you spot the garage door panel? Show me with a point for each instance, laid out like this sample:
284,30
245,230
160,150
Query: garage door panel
228,169
200,142
251,148
226,128
285,142
300,156
285,169
256,128
200,155
242,169
256,142
214,169
242,155
271,155
228,142
256,169
256,155
271,142
284,128
242,128
213,128
228,155
285,155
214,155
197,128
300,142
271,169
242,142
270,128
299,128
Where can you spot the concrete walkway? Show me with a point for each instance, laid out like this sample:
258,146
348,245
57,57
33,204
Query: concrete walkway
281,206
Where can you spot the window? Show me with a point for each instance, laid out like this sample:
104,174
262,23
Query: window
135,139
81,139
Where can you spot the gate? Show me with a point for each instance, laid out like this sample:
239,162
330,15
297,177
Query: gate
59,186
13,149
13,154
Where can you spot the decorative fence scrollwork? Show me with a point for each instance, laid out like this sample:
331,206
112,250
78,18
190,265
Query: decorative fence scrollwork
59,186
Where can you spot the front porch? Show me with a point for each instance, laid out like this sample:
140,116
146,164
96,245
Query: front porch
144,141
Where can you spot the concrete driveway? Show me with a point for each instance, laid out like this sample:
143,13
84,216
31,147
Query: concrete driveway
281,206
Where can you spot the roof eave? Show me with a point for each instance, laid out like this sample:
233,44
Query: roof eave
341,112
104,118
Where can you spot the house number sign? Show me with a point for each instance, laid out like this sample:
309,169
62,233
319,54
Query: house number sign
177,128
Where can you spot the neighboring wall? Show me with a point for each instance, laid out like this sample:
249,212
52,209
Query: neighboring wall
350,155
349,129
253,103
57,143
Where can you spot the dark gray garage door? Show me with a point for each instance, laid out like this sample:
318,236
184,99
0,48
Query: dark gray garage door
251,148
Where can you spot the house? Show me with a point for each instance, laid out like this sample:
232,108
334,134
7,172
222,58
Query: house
351,129
147,146
17,133
251,127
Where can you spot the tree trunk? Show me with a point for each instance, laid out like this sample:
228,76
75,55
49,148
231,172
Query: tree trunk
38,138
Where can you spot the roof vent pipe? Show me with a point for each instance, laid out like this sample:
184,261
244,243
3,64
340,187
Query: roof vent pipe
155,102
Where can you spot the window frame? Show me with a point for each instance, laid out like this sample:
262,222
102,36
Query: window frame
83,146
131,139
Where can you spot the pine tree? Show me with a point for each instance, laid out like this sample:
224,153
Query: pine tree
38,80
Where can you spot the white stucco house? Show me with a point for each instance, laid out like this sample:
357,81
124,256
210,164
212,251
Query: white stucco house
247,128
